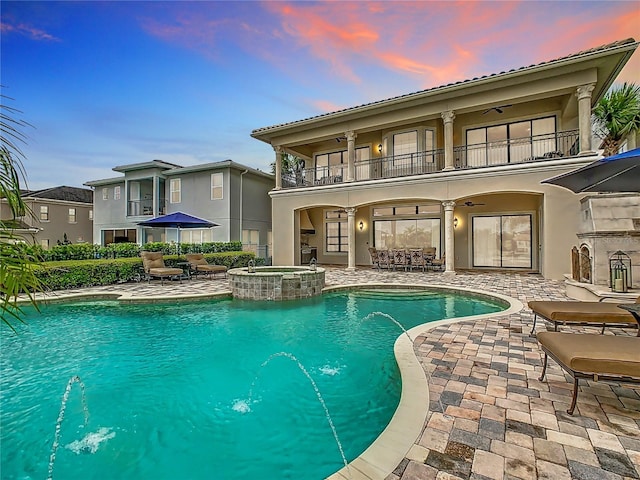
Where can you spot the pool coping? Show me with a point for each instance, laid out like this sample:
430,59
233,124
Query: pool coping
382,457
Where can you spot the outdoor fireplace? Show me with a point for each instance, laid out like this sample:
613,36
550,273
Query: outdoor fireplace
610,223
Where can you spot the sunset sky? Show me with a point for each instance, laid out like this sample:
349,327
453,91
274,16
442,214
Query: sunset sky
111,83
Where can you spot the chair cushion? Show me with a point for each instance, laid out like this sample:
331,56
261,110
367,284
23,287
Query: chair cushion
152,260
211,268
568,311
165,272
196,259
592,353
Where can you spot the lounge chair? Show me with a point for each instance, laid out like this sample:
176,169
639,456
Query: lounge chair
198,264
154,266
597,357
582,313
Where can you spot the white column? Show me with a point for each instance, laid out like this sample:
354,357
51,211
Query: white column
351,239
584,117
447,118
449,247
278,150
351,155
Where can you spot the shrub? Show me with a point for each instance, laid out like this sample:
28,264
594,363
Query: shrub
61,275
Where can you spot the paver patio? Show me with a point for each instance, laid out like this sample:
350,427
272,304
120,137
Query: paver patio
500,421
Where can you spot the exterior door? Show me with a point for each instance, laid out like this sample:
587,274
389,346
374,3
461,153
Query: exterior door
502,241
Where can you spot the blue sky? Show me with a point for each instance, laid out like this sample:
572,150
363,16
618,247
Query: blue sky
111,83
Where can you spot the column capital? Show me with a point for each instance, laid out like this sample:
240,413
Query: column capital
278,149
584,91
350,135
351,211
448,205
448,116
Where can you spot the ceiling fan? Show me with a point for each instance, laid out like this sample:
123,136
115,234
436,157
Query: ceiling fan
499,109
469,203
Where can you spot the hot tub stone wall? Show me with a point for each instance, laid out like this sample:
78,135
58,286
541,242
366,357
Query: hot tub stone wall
276,286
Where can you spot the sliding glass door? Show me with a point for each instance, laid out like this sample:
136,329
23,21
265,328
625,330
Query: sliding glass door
502,241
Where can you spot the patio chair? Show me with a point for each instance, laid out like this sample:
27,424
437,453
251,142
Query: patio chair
198,264
429,253
439,263
153,264
399,258
373,253
582,313
384,259
416,259
597,357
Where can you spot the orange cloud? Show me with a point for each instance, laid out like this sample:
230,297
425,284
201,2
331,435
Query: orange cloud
326,106
28,31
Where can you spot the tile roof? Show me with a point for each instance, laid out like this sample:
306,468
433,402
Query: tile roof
590,51
69,194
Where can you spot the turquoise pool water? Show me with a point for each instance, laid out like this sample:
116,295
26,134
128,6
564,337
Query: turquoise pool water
167,385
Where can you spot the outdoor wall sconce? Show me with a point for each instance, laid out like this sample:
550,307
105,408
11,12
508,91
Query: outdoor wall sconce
361,225
379,148
455,222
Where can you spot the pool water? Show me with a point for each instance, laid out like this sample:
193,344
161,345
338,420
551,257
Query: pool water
166,385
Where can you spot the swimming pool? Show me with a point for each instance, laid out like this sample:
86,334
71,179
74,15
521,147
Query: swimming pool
166,384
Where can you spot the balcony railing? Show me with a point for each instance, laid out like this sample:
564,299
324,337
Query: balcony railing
145,207
516,150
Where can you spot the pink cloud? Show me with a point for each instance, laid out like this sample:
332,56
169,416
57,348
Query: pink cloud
326,106
28,31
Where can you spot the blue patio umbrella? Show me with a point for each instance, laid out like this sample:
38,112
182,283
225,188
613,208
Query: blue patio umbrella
178,220
617,173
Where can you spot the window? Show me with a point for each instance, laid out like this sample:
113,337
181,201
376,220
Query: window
250,240
330,166
407,226
90,214
511,143
116,193
72,215
502,241
44,243
105,194
405,143
216,186
44,213
196,235
336,235
175,195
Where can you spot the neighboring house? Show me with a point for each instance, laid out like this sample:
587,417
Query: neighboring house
457,167
55,215
227,193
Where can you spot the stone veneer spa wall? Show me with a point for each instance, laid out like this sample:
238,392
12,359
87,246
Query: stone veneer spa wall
276,283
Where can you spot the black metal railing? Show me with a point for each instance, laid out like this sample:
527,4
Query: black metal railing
517,150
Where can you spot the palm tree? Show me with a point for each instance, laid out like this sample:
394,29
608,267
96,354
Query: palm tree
616,115
16,263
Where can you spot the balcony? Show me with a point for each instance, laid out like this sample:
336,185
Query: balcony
136,208
505,152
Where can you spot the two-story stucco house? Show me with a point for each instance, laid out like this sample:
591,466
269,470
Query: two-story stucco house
456,167
230,194
54,215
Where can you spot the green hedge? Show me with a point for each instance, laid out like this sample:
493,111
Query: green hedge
62,275
88,251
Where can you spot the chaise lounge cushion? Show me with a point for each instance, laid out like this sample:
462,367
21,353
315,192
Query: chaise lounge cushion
594,354
200,264
153,264
580,312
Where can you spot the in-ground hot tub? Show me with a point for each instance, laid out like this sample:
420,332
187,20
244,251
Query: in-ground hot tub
276,283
